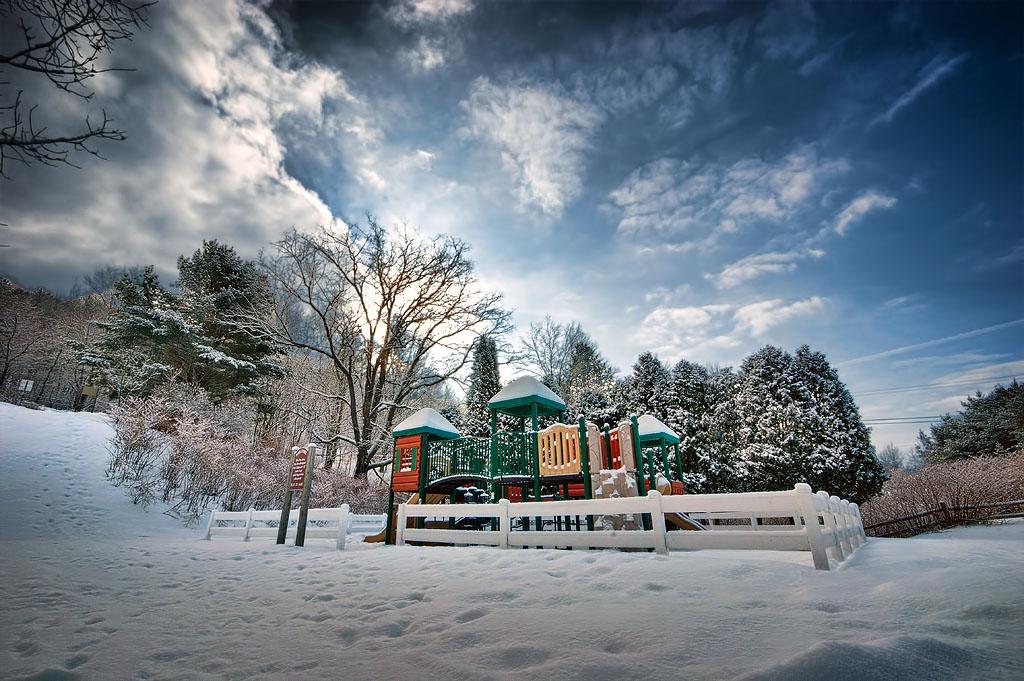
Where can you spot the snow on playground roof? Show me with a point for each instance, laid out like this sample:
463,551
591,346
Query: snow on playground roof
517,397
426,420
651,428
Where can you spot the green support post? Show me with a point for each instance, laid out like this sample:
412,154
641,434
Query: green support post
536,462
495,487
638,454
424,465
679,463
588,485
651,472
664,460
391,517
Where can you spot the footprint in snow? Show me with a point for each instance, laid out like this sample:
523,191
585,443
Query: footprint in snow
76,661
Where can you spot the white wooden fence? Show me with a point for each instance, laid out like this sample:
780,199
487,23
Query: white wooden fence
342,523
828,527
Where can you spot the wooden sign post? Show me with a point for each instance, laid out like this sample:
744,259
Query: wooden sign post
307,474
296,481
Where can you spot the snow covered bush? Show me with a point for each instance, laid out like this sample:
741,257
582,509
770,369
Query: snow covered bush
180,448
963,485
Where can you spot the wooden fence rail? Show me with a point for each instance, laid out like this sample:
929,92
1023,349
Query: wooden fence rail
342,523
828,527
945,516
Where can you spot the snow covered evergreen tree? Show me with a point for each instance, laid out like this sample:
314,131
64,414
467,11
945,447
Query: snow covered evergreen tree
484,383
840,458
771,447
141,338
221,295
205,336
686,410
988,425
587,390
721,426
645,391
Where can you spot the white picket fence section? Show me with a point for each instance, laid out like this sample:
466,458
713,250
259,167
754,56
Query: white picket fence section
828,527
342,522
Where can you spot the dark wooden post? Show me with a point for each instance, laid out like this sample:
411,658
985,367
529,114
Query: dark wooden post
286,505
946,515
300,531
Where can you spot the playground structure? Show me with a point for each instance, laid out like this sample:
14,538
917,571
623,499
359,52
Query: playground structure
560,462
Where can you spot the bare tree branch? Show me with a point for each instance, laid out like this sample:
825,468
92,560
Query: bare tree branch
62,40
394,315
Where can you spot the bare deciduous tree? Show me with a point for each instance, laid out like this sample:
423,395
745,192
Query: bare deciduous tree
393,314
63,41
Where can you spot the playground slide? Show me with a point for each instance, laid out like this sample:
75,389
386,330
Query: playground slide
414,499
683,522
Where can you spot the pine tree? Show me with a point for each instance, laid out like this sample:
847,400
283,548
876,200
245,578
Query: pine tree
841,459
721,426
686,407
768,398
587,388
645,390
142,338
988,425
221,295
209,335
484,383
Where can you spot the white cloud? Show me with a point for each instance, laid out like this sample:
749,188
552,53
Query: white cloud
669,198
540,133
863,204
754,266
675,331
412,12
759,317
206,158
427,55
935,71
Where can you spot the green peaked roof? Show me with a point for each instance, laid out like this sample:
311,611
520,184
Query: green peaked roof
651,430
518,397
427,421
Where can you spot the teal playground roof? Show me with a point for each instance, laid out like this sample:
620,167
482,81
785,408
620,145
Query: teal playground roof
518,397
653,432
426,421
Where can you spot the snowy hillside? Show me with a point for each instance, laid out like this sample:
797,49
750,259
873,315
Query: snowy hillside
95,588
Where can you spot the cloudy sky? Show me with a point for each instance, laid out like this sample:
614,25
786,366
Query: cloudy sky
696,179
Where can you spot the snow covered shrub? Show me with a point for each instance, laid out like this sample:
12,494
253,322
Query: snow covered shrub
964,486
178,447
334,488
137,448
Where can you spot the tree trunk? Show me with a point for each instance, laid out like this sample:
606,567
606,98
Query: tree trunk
362,462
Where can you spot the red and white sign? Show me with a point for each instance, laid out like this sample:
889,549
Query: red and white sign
299,469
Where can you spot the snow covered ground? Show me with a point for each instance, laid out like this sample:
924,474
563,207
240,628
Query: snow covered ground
96,588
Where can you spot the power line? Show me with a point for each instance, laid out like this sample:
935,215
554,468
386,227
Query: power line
929,386
896,423
903,418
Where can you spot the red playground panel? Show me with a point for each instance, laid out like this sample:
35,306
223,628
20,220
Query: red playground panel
406,475
677,487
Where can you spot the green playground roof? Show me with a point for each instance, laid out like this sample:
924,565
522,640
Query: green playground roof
653,431
426,421
518,397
